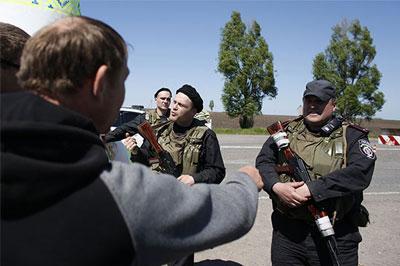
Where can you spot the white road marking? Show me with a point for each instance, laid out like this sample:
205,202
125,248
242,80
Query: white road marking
365,193
240,147
382,193
394,148
239,162
263,198
243,162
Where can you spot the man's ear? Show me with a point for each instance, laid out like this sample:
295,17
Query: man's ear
194,111
334,105
100,80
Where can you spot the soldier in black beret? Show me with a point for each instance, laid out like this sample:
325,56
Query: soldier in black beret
201,160
193,147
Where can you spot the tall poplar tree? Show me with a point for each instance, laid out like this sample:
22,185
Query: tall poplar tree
347,63
211,105
246,63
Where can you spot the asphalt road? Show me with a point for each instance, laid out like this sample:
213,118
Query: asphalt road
381,238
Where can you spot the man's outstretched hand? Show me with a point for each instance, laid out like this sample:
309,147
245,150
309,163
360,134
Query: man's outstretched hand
254,174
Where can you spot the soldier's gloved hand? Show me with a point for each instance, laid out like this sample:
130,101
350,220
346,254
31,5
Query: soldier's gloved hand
130,144
186,179
254,174
288,195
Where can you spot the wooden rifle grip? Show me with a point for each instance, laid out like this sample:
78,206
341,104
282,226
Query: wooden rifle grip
147,132
275,127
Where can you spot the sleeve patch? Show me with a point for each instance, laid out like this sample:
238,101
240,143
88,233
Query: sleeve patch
366,149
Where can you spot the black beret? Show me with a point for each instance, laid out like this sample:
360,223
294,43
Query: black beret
322,89
160,90
193,95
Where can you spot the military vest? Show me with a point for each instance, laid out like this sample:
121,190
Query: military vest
153,117
322,155
184,149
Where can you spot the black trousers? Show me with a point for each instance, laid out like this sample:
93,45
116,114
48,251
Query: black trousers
295,242
185,261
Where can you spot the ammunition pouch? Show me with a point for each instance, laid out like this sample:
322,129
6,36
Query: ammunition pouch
360,217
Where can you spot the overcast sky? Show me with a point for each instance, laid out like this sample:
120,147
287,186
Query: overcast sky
177,42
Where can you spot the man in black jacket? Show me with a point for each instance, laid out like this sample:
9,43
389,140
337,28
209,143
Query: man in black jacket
340,161
160,115
62,201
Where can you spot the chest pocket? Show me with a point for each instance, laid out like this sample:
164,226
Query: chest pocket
185,150
321,154
174,145
330,154
152,117
191,154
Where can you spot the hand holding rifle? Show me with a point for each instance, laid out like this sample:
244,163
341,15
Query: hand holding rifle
289,194
296,193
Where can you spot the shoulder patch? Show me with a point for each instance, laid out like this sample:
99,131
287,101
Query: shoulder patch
362,129
366,149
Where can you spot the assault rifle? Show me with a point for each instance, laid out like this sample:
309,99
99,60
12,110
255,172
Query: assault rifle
297,169
165,160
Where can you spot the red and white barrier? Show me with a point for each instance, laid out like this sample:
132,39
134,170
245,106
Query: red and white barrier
389,140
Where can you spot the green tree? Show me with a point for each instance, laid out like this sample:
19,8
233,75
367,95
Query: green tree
211,105
347,63
246,63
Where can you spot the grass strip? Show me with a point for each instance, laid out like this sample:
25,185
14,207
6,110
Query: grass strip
241,131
